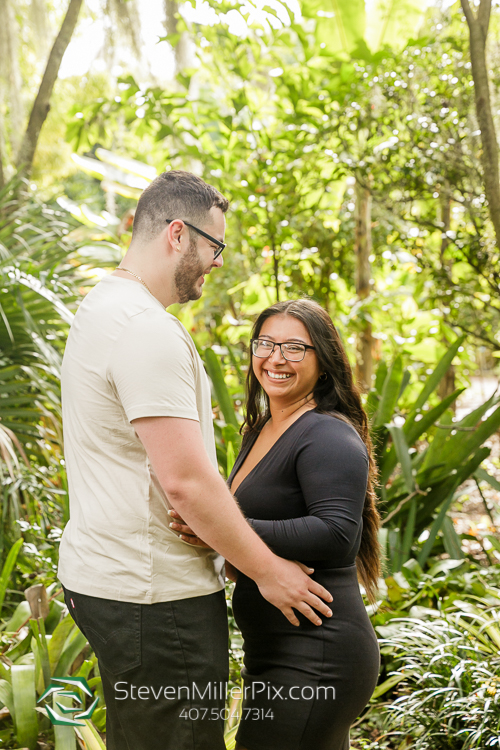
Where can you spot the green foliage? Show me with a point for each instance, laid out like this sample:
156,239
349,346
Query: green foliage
53,648
423,455
448,679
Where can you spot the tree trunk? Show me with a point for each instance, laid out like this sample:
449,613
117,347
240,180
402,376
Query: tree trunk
478,31
182,50
363,248
38,13
447,384
9,43
41,105
2,177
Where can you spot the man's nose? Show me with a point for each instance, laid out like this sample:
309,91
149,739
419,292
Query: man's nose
218,261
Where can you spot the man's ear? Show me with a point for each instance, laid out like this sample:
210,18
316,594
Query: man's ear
174,232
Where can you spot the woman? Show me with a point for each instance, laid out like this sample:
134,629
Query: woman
304,479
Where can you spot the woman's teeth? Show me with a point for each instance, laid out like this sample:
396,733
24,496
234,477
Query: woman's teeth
278,375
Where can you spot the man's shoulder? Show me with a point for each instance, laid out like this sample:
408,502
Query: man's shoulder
155,319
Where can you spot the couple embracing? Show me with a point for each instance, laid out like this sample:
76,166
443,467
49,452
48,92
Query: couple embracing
154,529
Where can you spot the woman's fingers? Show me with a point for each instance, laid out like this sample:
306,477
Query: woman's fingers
173,514
185,532
182,528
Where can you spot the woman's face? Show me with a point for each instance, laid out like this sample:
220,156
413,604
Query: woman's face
288,382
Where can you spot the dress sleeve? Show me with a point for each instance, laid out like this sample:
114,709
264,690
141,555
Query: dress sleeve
332,469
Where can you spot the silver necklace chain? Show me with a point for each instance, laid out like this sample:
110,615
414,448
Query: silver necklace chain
120,268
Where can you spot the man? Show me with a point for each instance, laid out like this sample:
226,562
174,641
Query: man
139,440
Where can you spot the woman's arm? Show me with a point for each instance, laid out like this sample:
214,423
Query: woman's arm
332,469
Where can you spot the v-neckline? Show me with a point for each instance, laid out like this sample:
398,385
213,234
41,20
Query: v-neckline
265,454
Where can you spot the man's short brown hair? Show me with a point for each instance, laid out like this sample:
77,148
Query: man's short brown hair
175,195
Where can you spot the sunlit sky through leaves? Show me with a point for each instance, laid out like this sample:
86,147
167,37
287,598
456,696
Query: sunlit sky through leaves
85,51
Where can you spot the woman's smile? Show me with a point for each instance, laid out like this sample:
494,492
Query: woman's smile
276,375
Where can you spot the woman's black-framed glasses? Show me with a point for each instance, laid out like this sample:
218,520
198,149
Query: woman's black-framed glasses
220,245
290,350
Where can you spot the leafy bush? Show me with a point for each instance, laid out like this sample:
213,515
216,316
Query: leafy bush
449,685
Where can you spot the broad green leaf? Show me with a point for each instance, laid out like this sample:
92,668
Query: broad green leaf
434,530
386,685
220,387
401,448
393,22
65,737
91,736
433,454
40,649
413,430
483,476
451,540
440,370
230,458
8,568
439,492
6,696
412,571
75,643
390,393
20,650
409,530
58,640
340,25
22,613
461,445
24,697
380,376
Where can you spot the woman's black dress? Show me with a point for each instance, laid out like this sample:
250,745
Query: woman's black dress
304,686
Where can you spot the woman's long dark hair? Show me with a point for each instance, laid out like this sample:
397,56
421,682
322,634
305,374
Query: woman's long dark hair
335,394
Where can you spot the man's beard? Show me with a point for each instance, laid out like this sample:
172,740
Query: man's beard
187,273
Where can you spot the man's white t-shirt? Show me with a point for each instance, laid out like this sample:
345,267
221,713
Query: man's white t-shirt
127,357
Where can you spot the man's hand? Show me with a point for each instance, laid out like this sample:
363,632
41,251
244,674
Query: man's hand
290,589
289,586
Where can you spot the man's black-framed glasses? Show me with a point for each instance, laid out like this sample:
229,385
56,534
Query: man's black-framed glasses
220,245
290,350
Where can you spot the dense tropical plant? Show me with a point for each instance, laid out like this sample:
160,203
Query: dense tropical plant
424,455
35,648
448,677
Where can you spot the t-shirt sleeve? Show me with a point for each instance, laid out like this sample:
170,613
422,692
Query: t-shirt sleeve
332,469
152,368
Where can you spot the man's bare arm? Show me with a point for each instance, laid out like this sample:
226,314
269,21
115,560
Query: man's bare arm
197,491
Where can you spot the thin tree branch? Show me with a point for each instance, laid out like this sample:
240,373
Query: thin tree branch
469,15
41,104
483,15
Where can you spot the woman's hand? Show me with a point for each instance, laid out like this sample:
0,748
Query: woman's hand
185,532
